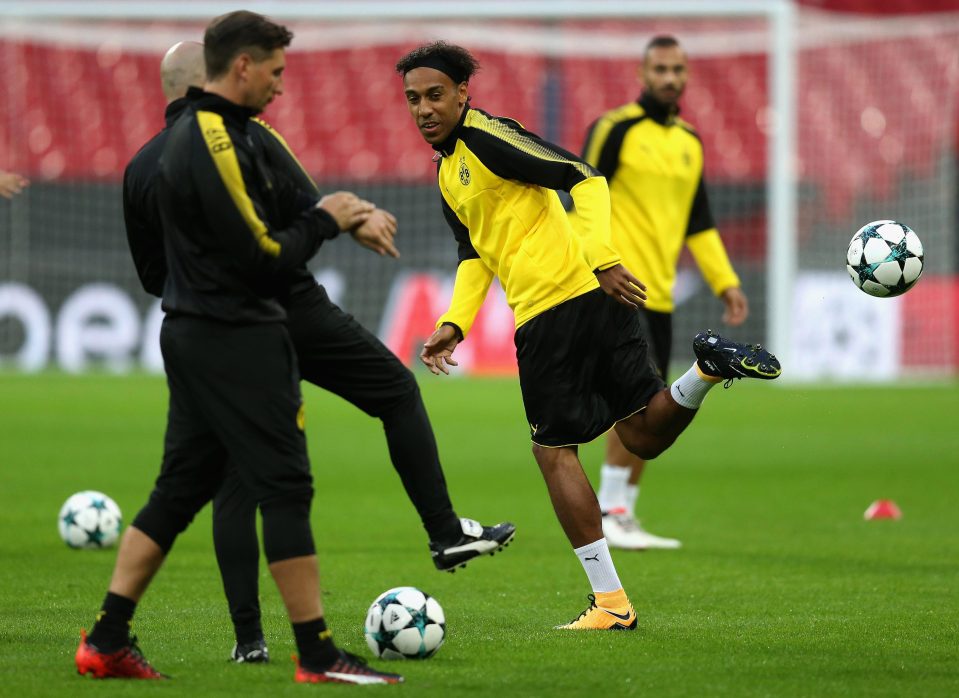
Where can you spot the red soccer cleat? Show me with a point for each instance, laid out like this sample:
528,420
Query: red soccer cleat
348,668
125,663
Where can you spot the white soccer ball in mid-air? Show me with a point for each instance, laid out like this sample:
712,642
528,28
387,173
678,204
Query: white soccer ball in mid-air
405,623
884,258
89,519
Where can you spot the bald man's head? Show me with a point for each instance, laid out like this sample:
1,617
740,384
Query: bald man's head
181,68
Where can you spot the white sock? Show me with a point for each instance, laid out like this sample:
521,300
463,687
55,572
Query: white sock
690,389
598,566
632,494
612,487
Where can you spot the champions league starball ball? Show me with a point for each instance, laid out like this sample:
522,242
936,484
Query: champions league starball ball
405,623
884,258
89,519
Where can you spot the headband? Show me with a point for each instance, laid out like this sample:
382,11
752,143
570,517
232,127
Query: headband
441,64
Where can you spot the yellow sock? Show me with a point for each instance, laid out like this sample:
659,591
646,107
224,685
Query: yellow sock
612,599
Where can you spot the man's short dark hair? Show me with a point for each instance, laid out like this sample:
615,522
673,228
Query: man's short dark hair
229,35
661,41
457,62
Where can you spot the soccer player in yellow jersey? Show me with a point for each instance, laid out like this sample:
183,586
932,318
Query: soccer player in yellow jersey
581,350
653,162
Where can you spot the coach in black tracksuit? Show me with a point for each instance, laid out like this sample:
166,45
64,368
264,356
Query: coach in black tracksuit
231,367
232,231
334,352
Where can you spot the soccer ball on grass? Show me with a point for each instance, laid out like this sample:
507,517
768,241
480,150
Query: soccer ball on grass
89,519
884,258
405,623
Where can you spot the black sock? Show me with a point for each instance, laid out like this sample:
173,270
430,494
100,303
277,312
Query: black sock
112,629
315,644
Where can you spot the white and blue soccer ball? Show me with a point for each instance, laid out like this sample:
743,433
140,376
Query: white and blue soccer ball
90,519
884,258
405,623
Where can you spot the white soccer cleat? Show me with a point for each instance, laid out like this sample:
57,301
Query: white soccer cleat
624,532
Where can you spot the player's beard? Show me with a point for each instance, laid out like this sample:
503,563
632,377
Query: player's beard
668,98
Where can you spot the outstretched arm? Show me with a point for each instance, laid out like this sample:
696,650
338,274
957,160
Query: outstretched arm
473,279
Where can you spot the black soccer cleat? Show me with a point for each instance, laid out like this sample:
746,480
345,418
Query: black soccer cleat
722,358
476,540
250,652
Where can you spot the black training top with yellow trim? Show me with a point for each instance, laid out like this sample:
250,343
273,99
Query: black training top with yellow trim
234,227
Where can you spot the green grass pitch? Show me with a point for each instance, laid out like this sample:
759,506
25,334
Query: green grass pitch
781,589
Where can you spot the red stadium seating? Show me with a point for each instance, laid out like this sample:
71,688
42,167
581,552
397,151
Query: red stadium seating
84,112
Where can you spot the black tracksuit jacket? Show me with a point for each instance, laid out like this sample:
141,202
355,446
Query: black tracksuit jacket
235,229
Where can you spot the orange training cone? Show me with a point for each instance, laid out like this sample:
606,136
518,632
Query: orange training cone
882,509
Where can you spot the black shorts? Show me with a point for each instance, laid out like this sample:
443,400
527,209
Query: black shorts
234,396
583,366
659,331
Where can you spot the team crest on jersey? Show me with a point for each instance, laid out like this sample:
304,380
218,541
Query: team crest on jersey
464,172
687,160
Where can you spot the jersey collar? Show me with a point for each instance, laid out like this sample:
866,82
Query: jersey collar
174,109
656,110
235,114
446,147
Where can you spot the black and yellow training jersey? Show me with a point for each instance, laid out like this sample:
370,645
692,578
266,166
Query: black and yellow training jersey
234,227
499,184
141,214
653,162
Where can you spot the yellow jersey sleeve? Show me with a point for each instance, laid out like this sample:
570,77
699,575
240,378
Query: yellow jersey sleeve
591,222
514,153
473,279
710,254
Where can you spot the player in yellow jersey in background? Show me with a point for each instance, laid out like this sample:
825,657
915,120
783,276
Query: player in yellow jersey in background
653,162
581,349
